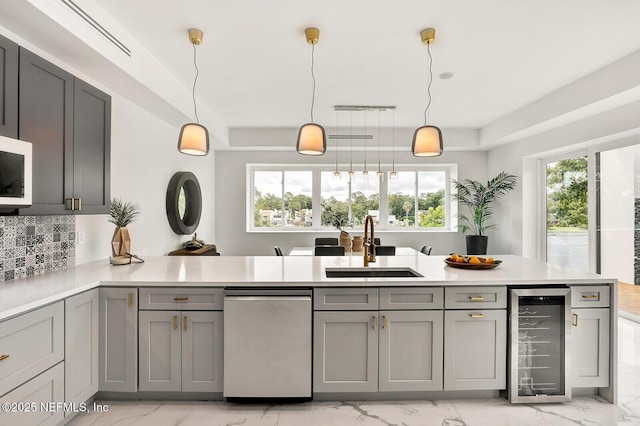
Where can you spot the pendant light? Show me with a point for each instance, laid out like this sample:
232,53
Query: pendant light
194,137
351,172
379,172
427,140
365,172
393,174
336,172
311,137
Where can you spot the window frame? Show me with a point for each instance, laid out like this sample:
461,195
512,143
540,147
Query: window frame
451,207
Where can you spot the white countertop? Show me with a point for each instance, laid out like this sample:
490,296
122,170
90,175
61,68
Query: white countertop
21,295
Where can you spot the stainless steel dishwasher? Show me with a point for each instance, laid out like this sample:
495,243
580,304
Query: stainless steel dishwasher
267,343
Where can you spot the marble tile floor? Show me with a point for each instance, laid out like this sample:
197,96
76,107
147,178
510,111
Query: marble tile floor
479,412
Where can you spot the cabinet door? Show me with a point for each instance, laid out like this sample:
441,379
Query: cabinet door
8,88
160,350
46,120
202,351
345,351
590,347
475,349
81,346
91,148
411,350
47,388
118,346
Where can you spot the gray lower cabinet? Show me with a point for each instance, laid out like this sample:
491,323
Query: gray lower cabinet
345,351
81,346
180,351
590,347
475,349
411,350
370,351
118,344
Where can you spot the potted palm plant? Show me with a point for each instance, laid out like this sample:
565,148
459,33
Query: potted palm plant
479,199
122,214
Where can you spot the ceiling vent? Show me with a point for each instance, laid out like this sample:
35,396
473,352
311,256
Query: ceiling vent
96,25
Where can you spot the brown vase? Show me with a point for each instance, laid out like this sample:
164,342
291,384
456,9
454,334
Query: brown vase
121,242
345,240
357,243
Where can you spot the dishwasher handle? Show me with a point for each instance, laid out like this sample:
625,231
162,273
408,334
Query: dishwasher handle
266,298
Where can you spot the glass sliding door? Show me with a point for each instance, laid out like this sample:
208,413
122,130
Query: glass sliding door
567,239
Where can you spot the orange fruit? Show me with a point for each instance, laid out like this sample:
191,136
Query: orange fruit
489,260
461,259
453,257
474,260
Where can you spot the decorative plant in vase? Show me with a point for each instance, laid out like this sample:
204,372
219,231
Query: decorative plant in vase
340,220
122,214
479,199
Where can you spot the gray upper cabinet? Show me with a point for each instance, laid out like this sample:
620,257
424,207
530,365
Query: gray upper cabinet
8,88
69,124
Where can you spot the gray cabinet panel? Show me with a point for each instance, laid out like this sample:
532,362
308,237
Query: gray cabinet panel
202,351
91,147
46,120
118,345
590,347
160,350
411,345
475,349
8,88
345,352
411,298
345,299
81,346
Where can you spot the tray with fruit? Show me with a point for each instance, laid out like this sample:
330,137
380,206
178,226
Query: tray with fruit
471,262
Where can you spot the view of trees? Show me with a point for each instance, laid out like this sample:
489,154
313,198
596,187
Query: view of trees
296,208
567,193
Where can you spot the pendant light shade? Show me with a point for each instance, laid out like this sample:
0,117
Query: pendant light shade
427,142
194,137
312,139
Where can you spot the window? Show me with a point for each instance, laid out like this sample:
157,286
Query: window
285,198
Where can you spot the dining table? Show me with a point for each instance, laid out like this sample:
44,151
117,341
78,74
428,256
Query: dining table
308,251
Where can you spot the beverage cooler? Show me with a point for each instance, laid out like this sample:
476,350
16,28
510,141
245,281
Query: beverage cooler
540,326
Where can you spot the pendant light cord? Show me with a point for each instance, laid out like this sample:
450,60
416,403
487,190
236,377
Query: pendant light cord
193,90
313,77
429,86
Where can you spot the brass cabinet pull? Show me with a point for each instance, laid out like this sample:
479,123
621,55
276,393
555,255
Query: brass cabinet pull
184,323
478,315
476,298
384,321
175,322
375,322
591,296
180,299
575,320
130,300
3,357
73,203
79,204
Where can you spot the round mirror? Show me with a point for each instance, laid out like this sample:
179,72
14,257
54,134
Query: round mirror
184,203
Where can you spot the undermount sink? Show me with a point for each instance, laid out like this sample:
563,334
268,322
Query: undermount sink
371,273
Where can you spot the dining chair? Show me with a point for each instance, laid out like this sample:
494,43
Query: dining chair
328,251
278,251
385,250
326,242
426,250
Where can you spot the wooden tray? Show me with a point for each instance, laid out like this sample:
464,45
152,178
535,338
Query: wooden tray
453,264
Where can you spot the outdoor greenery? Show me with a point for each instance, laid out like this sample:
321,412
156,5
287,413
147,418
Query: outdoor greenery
123,212
479,199
567,194
296,207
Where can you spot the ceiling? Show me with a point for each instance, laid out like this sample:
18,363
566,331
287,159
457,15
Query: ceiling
255,63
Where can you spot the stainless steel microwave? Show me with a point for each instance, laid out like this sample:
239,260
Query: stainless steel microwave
15,174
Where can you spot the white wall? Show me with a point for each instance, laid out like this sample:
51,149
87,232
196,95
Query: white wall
617,176
233,239
143,159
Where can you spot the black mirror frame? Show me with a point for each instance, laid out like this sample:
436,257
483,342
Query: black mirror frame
193,208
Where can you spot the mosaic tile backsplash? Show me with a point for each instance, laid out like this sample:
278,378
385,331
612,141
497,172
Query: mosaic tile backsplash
31,245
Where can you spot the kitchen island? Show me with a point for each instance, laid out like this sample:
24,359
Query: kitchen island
171,290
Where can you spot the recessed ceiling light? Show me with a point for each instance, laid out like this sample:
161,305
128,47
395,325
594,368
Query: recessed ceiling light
446,75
